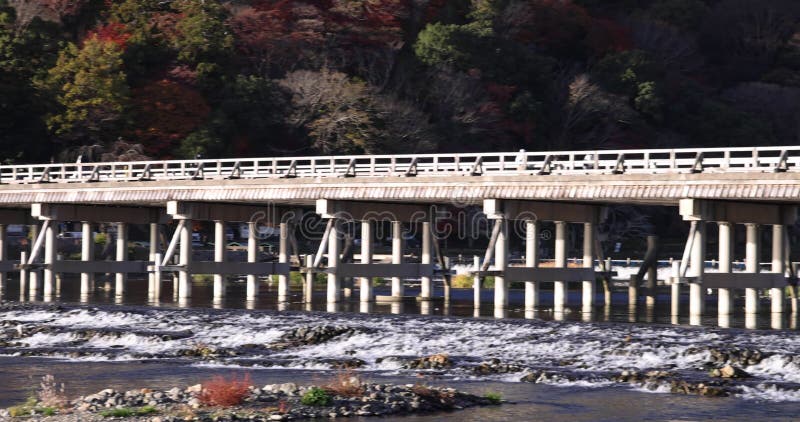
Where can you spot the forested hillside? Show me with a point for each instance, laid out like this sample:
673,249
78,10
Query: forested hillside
129,79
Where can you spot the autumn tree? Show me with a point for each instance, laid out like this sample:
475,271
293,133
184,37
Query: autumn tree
165,113
346,116
90,87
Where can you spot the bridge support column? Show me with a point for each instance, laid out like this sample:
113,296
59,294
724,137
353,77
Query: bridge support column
724,295
220,280
531,261
697,294
366,292
500,264
334,281
122,255
308,291
50,250
777,295
252,256
675,289
398,288
588,262
153,284
23,275
752,257
476,284
87,254
34,275
185,259
283,258
426,283
560,290
3,255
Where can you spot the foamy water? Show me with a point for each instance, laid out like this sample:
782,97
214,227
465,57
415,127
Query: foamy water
575,354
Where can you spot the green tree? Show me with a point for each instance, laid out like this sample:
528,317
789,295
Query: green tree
203,33
91,89
443,45
24,53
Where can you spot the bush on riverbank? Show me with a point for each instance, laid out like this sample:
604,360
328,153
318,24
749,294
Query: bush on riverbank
220,391
316,396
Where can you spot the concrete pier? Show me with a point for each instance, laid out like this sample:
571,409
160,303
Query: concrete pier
476,283
3,256
724,294
426,282
366,291
122,256
675,289
697,293
50,251
283,258
334,280
308,287
153,285
500,264
185,260
398,286
588,262
752,256
220,255
777,295
252,257
531,261
87,254
560,287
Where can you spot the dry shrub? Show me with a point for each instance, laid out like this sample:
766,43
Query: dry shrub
225,392
346,384
51,394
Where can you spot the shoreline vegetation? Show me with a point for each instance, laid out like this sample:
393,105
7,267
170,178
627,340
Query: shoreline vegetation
230,399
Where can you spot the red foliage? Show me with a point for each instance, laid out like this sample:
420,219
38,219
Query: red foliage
166,112
289,31
225,392
500,93
111,32
607,36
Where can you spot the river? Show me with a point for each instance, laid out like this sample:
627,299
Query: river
95,343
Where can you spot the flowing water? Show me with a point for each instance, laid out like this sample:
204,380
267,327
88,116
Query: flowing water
575,361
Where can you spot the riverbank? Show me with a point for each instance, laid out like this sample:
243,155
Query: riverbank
229,399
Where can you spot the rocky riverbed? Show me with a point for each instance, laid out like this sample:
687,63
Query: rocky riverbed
761,365
275,402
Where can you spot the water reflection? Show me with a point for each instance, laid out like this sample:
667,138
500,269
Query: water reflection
140,292
725,320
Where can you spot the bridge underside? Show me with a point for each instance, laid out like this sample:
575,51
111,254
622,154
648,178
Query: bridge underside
656,189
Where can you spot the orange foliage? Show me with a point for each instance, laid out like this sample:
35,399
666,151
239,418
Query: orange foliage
225,392
166,112
111,32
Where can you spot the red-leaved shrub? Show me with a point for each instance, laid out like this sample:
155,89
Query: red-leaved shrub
225,392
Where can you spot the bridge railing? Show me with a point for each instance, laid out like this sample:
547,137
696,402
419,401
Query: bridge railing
653,161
